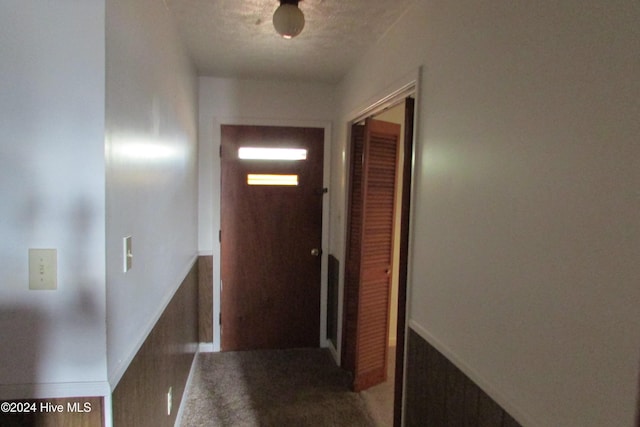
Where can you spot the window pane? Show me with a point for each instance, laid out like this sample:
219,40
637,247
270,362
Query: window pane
264,179
261,153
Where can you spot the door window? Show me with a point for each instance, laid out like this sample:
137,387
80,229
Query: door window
267,153
272,179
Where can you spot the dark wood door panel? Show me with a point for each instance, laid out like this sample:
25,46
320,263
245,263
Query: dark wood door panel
270,280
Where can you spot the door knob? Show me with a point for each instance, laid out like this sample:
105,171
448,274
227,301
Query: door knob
316,252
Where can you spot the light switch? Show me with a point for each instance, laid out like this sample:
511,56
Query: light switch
43,269
127,254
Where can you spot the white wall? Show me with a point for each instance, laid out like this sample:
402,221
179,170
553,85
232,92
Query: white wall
223,100
151,171
255,102
52,187
524,267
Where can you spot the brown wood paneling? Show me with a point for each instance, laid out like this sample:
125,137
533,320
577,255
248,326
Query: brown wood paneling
332,299
508,421
470,408
69,412
454,398
490,414
439,394
205,298
436,388
163,361
417,378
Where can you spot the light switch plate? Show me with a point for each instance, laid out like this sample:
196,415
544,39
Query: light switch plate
43,269
127,254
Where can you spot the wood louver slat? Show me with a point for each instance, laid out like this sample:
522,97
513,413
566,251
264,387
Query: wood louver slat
354,237
377,184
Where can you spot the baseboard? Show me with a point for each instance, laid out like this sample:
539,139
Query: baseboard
333,351
206,347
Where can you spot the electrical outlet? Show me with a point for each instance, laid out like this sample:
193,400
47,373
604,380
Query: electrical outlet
169,400
43,269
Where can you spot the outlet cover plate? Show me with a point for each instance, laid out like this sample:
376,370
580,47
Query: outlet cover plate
43,269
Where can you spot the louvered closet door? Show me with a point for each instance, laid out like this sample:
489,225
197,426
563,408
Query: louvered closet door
376,252
354,244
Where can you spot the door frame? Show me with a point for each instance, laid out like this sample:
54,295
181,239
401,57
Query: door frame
391,96
326,178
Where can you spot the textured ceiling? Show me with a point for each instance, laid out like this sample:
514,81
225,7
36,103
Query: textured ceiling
236,38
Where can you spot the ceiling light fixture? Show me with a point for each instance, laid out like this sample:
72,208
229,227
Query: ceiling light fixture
288,19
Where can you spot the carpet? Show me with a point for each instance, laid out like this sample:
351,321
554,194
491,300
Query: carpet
379,398
300,387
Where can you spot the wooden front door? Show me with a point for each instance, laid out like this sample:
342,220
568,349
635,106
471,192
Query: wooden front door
369,251
270,238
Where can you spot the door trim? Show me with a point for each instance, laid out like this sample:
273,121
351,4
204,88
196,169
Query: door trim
409,85
216,190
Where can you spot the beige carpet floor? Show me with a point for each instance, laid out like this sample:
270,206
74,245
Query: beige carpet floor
301,388
379,398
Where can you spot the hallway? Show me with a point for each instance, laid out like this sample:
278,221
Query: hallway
299,387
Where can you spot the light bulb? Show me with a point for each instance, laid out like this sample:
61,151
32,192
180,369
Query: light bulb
288,20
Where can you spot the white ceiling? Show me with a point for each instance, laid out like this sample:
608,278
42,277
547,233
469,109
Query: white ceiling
236,38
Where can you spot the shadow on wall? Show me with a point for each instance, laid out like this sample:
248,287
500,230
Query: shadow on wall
29,333
84,313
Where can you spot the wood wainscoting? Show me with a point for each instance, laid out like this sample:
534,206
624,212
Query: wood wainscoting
332,300
205,298
439,394
163,362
